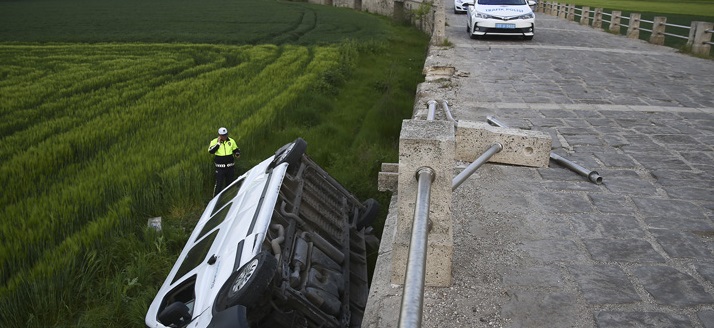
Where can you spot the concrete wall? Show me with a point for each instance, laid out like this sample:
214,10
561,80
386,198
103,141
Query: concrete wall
406,10
379,7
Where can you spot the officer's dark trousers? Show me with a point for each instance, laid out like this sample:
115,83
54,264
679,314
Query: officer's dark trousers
224,177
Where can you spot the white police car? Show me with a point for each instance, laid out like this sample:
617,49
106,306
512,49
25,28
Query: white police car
500,17
283,246
459,7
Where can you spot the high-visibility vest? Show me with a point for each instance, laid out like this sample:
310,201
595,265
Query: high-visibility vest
223,151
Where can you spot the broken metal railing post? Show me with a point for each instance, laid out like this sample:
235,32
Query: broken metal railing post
591,175
469,170
494,121
432,110
413,297
448,112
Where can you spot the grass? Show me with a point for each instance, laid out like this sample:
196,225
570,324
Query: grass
106,109
168,21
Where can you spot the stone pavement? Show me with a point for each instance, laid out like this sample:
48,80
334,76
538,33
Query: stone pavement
546,247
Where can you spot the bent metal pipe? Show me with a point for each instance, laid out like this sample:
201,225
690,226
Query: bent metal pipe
469,170
591,175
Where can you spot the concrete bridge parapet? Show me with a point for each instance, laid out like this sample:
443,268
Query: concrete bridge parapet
438,144
430,144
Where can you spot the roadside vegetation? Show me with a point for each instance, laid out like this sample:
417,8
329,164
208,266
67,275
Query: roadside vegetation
106,110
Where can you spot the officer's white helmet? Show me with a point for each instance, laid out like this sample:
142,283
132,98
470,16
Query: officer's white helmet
222,131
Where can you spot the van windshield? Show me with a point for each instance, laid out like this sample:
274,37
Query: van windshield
502,2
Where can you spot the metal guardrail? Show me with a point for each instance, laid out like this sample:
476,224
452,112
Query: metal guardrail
410,314
432,110
699,38
469,170
413,296
412,304
448,111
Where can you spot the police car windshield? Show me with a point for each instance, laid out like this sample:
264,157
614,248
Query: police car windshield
502,2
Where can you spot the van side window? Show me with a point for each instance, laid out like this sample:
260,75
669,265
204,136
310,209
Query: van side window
195,256
214,221
227,195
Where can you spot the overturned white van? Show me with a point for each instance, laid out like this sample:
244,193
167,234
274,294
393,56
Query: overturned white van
283,246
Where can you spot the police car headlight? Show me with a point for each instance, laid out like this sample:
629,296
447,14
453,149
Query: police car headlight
482,15
527,16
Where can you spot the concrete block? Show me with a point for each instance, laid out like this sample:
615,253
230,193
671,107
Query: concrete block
388,177
439,255
520,147
430,144
434,73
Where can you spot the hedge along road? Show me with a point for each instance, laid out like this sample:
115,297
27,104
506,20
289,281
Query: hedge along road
547,248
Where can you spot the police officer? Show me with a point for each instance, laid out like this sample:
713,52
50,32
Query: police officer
225,151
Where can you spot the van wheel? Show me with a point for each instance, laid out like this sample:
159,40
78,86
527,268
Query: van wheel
177,314
369,214
290,153
248,285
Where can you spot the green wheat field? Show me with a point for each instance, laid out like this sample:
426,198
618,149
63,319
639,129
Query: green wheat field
106,110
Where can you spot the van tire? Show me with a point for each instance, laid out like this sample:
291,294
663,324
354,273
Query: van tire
248,285
370,213
177,313
291,153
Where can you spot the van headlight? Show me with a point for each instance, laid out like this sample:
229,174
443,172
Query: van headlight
527,16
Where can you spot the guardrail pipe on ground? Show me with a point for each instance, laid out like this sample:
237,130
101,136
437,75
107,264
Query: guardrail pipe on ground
469,170
591,175
413,297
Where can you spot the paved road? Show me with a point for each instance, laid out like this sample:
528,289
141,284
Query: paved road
547,248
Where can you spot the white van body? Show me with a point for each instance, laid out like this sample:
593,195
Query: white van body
500,17
284,243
